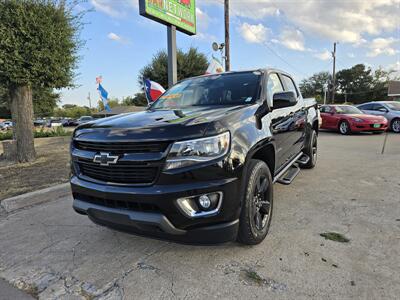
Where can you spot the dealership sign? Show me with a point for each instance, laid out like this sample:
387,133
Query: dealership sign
180,13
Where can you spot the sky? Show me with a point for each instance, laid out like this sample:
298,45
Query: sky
296,36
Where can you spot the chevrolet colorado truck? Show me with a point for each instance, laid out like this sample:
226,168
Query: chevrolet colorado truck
199,165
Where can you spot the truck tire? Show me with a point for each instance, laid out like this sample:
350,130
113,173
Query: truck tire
256,213
311,149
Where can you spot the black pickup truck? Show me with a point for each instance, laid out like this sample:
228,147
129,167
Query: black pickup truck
198,166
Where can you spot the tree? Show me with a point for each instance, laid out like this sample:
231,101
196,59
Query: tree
191,63
314,85
354,84
38,48
139,99
113,102
44,101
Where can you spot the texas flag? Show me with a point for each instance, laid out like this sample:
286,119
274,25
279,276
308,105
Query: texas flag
153,90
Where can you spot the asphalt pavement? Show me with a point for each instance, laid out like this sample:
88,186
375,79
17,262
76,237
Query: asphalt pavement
54,253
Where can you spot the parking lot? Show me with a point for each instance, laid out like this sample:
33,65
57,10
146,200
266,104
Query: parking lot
52,252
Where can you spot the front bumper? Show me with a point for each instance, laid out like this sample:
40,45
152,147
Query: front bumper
358,127
152,210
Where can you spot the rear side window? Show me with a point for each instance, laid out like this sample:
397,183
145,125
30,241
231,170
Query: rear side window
368,106
274,86
377,106
289,85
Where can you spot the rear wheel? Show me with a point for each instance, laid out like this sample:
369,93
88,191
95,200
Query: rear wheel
255,217
344,127
311,150
395,125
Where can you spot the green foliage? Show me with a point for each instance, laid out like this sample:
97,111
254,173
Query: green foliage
38,43
139,99
314,86
113,102
42,133
44,101
357,84
191,63
72,111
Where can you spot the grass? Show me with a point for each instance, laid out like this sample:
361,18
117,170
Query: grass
334,236
51,167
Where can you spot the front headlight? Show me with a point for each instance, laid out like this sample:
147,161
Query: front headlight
358,120
187,153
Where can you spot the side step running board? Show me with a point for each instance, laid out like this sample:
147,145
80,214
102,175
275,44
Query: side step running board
290,175
303,160
282,173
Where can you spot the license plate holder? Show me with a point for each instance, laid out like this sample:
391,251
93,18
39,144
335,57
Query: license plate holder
377,125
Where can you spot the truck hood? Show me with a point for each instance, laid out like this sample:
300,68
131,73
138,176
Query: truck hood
153,125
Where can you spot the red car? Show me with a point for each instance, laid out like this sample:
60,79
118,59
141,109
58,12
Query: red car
347,119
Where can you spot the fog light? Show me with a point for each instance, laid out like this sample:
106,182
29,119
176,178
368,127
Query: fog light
201,206
204,201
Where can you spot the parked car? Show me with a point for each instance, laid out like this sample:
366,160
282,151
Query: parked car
199,164
84,119
40,122
6,125
69,122
388,109
54,123
347,119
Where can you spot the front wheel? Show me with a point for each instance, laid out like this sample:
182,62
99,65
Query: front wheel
395,125
255,217
344,127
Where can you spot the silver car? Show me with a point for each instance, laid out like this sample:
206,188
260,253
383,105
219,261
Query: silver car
388,109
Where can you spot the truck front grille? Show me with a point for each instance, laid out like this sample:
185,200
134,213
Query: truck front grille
125,173
121,148
121,204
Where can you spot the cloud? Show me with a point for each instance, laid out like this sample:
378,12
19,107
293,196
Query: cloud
343,21
203,22
114,8
113,36
117,38
254,33
324,55
380,46
292,39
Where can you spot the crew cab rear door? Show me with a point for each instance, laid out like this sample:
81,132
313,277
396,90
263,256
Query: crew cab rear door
297,117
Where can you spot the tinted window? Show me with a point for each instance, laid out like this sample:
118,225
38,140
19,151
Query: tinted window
325,109
225,89
289,84
377,106
274,86
366,106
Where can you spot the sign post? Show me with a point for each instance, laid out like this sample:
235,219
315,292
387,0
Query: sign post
176,15
172,62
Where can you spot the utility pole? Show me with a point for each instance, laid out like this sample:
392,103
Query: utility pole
90,101
333,73
227,47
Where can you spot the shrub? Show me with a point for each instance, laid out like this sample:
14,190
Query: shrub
42,133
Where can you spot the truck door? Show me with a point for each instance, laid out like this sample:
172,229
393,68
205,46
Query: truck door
297,118
280,121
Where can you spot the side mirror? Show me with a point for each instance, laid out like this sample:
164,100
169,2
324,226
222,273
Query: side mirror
284,99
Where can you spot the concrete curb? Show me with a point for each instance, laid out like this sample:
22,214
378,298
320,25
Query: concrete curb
36,197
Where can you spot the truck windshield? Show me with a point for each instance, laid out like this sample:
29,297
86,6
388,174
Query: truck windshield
222,89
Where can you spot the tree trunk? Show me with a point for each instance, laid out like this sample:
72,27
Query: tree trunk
22,116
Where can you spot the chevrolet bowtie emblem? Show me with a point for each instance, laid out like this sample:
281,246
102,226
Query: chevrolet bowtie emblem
105,159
